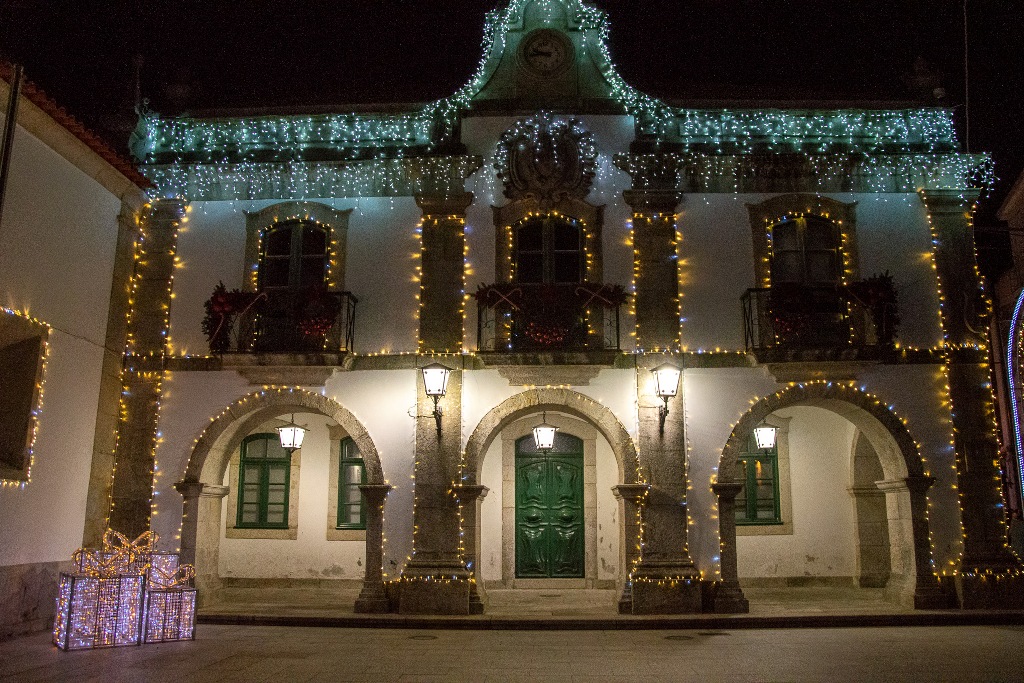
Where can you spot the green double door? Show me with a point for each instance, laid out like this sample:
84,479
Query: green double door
549,510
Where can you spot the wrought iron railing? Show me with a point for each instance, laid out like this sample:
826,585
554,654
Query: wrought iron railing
284,321
535,317
817,317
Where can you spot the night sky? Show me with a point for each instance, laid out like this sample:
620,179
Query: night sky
300,55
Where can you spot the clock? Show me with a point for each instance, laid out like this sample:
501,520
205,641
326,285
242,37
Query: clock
546,52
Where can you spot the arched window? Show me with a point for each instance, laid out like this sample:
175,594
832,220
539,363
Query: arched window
294,256
806,250
264,479
548,250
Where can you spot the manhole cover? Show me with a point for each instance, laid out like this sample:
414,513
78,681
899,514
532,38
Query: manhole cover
712,633
422,637
678,637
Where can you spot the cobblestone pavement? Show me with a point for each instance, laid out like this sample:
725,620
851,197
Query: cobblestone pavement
285,654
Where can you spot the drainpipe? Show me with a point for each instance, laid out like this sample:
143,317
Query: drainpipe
7,143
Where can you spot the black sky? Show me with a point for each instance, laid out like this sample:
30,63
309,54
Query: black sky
213,54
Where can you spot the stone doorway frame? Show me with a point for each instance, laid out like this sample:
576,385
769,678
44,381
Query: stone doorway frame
202,488
574,405
905,485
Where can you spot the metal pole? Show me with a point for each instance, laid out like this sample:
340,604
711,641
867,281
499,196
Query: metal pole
10,123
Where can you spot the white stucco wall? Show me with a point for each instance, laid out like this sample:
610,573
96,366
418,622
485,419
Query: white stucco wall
717,264
380,269
823,539
57,244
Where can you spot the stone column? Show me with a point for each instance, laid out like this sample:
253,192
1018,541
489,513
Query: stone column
729,599
435,580
632,497
470,496
205,549
150,301
442,266
372,599
965,316
927,594
190,492
665,581
656,269
97,505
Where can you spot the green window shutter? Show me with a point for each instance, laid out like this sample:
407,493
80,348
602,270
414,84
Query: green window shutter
758,501
351,473
264,483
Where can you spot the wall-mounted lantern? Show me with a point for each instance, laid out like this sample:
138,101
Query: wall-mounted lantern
435,383
666,385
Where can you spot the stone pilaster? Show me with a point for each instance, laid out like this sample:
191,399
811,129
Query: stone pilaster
372,598
435,580
656,268
729,599
142,375
965,322
632,497
927,594
97,505
665,580
442,265
470,496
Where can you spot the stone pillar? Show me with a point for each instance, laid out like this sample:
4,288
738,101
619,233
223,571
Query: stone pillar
372,599
665,581
97,505
729,599
190,492
206,547
442,277
470,496
435,580
927,594
632,497
150,301
656,269
965,323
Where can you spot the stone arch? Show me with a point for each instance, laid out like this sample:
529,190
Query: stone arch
565,401
203,493
905,481
213,448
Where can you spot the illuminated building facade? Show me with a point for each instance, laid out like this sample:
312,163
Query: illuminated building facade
551,236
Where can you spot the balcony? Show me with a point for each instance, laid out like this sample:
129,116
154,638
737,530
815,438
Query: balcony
581,316
829,320
309,321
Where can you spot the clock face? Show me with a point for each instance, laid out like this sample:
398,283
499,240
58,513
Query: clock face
546,52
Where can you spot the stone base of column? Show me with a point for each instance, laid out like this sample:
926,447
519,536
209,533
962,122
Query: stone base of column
626,599
666,589
476,602
372,601
982,591
931,597
435,587
729,599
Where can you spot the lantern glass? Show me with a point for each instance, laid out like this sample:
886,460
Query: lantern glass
764,435
435,379
291,435
666,380
544,436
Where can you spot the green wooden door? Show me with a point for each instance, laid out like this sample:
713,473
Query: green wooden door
549,509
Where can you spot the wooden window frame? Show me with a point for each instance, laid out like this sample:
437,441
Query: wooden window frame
343,487
263,485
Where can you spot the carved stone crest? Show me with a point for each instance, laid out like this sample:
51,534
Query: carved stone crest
546,159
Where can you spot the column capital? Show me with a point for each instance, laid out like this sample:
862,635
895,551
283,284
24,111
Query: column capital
727,489
169,207
653,201
919,484
467,493
444,205
375,493
652,172
189,489
950,201
634,493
